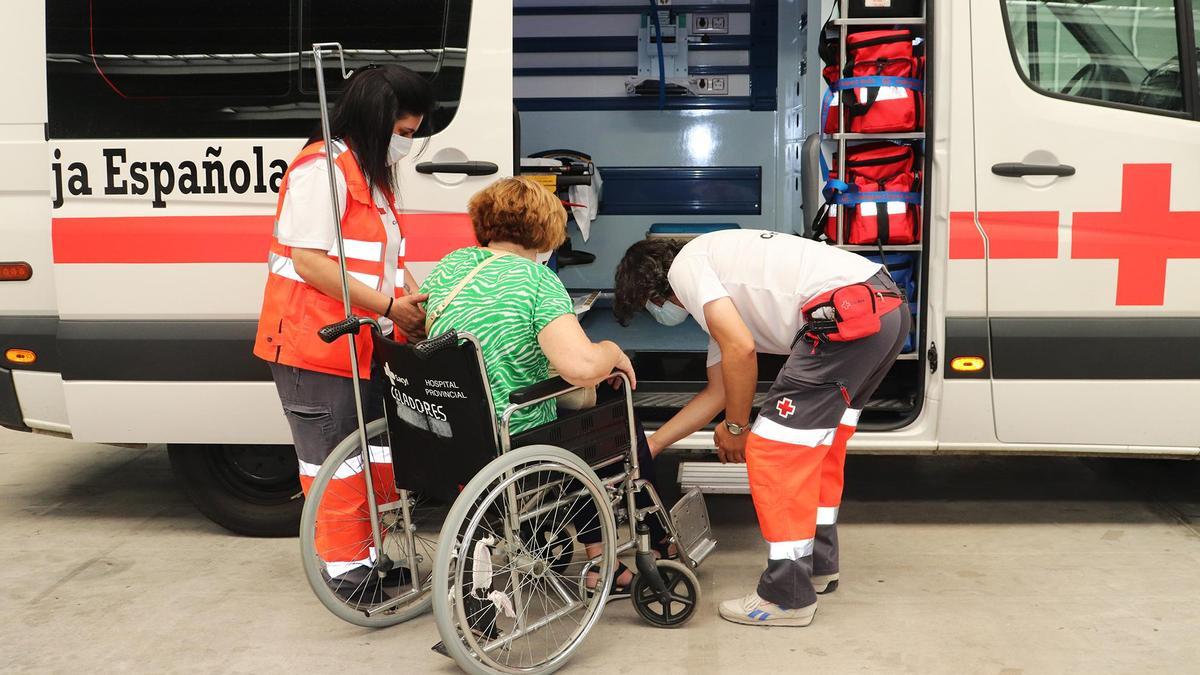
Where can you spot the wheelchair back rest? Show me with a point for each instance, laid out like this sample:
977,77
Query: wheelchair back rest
441,424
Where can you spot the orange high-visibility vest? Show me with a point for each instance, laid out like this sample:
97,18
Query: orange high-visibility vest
293,310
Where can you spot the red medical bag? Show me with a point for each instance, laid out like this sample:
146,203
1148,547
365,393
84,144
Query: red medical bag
881,85
850,313
880,197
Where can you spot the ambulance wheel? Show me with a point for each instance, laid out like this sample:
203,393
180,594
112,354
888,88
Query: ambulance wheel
248,489
683,591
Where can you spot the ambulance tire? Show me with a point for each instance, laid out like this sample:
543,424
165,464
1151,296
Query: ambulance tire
252,490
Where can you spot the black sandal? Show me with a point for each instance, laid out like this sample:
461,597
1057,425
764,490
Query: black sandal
663,549
616,590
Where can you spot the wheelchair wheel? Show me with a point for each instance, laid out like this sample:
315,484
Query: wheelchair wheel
338,550
683,595
504,600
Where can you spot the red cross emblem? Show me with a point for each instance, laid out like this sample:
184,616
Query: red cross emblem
785,408
1142,236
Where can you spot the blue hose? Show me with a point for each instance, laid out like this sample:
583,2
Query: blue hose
662,66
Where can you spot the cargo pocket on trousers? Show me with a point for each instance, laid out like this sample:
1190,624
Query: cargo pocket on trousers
313,431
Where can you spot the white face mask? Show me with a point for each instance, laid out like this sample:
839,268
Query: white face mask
543,257
670,314
398,148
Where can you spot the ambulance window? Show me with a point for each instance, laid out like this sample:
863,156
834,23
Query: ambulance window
429,36
120,68
1115,51
232,68
1196,43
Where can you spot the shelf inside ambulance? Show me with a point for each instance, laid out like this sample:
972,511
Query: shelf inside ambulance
670,365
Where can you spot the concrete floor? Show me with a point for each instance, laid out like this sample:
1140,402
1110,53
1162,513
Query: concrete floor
950,565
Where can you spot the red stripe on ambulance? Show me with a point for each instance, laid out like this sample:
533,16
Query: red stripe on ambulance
1012,235
223,239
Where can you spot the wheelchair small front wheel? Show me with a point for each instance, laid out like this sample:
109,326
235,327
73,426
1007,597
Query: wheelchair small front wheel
678,605
338,549
509,596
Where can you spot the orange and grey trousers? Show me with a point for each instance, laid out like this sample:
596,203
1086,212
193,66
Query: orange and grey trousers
796,450
320,411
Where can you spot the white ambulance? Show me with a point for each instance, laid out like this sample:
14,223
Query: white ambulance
1056,279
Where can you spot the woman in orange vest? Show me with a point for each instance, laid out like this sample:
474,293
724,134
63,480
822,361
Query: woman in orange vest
372,128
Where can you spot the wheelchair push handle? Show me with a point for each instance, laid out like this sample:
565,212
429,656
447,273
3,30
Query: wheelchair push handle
348,325
428,348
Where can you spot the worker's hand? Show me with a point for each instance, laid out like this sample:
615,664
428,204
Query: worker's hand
730,448
408,316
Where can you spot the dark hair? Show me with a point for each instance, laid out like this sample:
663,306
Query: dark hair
366,113
642,276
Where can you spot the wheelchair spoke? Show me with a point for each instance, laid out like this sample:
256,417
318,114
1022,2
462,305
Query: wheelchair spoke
555,581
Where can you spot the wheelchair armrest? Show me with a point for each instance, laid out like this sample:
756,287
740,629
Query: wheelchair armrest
543,389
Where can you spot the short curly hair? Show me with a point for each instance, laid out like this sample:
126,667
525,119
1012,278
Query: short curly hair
518,211
642,276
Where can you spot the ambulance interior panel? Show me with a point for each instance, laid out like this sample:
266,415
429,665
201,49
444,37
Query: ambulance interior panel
690,161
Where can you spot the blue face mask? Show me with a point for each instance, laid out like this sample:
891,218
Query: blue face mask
670,314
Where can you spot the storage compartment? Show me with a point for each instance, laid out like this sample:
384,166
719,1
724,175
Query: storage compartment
726,154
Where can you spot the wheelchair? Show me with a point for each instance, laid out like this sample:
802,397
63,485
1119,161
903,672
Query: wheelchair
446,507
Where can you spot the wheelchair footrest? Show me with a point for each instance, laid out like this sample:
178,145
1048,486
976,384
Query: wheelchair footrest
692,526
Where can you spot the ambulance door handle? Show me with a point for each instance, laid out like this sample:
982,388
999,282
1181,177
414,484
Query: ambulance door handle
468,168
1019,169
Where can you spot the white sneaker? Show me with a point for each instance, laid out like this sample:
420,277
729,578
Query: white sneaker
754,611
825,583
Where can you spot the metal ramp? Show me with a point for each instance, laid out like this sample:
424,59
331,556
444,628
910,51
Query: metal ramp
714,478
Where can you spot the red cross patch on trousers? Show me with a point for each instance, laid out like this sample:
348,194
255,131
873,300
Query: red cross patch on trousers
785,408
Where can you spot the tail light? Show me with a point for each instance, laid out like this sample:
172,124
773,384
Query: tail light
15,271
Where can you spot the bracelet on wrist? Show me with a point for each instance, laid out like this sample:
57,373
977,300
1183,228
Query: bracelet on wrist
388,311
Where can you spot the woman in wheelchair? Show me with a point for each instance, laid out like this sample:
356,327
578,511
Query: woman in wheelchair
520,565
522,316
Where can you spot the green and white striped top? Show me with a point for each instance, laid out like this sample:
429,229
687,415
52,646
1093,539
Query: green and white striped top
505,306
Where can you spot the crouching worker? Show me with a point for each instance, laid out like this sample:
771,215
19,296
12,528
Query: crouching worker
836,314
520,311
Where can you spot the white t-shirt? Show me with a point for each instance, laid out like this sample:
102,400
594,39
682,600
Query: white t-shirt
306,220
769,276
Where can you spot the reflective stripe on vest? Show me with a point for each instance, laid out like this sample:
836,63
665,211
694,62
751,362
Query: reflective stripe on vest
284,267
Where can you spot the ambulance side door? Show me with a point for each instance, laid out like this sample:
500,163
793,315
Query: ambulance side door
469,141
1086,141
158,295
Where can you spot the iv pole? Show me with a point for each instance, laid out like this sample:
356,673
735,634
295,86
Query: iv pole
317,48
